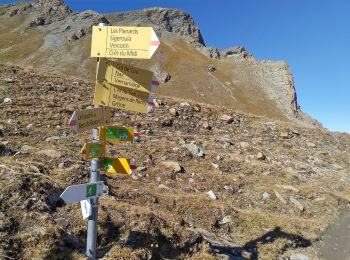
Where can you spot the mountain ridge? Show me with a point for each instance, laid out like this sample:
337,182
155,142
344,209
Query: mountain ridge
62,41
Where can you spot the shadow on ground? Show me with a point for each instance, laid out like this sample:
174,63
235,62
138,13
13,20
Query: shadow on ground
250,249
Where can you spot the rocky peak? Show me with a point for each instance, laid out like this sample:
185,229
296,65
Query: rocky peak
162,20
238,52
50,11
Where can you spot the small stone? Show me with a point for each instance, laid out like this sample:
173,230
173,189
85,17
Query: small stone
260,156
9,80
197,108
225,220
11,121
191,180
299,256
297,204
194,149
167,123
279,196
50,153
162,186
174,166
211,68
173,112
244,145
226,118
8,101
29,126
25,149
287,187
265,196
311,145
216,166
184,104
142,168
207,126
52,138
158,179
211,195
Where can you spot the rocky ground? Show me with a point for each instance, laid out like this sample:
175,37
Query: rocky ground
212,183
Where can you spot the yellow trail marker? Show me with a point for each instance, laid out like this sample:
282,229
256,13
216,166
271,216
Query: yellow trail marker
93,150
121,97
88,119
123,42
126,75
115,134
118,165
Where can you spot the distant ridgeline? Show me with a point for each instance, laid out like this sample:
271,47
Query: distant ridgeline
47,34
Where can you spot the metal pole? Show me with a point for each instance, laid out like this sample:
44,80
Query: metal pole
94,177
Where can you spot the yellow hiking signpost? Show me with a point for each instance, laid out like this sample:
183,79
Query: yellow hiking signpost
123,42
122,98
119,86
93,150
118,165
115,134
125,75
88,119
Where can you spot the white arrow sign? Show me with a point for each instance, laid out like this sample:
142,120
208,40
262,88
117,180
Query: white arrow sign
81,192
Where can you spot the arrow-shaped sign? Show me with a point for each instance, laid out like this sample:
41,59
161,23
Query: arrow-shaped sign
118,165
123,42
114,134
81,192
126,75
88,119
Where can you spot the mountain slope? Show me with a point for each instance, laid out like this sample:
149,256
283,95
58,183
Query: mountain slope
49,36
270,179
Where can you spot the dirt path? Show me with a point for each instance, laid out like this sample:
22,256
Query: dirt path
335,243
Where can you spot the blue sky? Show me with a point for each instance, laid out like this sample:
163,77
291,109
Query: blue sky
313,37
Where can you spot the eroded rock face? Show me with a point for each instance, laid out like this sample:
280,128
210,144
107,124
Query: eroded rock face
237,52
162,19
50,11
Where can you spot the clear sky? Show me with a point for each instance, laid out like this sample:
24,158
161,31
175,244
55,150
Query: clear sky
313,37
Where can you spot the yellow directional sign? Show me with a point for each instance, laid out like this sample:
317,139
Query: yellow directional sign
93,150
115,134
121,97
118,165
126,75
88,119
123,42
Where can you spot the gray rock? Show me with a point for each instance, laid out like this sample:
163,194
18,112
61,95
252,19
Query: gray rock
211,195
50,153
227,118
173,112
194,149
174,166
279,196
7,101
310,144
185,104
207,126
52,138
225,220
27,149
299,256
265,196
8,80
237,52
211,68
297,204
260,156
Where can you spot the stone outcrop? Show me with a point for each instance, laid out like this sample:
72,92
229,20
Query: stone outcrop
162,19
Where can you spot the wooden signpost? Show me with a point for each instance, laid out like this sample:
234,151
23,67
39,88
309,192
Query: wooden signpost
121,86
